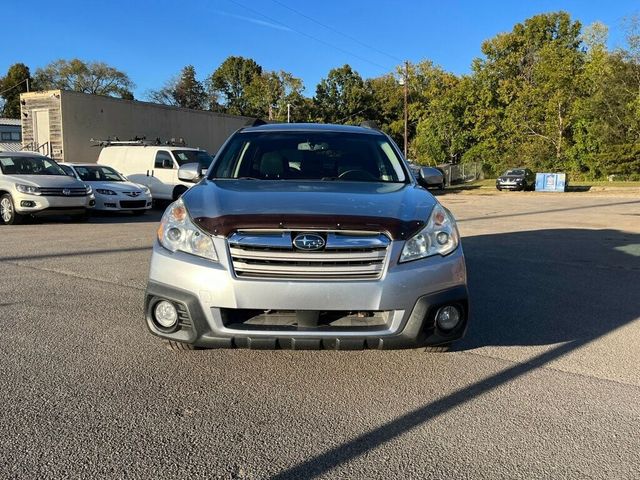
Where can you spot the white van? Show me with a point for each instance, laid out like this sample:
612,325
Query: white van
155,166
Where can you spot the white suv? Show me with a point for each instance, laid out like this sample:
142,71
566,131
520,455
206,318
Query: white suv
32,184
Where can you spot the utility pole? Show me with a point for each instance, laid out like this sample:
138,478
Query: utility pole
288,113
27,84
406,110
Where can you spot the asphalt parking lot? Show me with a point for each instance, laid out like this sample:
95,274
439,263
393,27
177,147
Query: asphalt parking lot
546,383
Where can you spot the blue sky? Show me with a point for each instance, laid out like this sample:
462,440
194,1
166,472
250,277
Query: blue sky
153,40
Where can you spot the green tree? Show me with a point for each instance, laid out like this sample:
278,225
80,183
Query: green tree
230,82
342,97
525,93
183,91
12,85
270,93
96,78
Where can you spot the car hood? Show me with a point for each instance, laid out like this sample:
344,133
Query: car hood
116,186
221,207
48,181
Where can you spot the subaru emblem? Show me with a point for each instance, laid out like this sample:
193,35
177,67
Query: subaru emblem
66,192
308,241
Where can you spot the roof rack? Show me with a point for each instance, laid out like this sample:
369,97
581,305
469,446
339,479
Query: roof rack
139,141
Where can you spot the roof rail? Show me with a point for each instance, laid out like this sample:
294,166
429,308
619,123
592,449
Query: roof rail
138,141
370,124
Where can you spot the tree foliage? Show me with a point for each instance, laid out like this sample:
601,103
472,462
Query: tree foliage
12,85
96,78
182,91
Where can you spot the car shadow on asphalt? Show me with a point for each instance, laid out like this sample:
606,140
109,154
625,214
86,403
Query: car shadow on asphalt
565,288
97,217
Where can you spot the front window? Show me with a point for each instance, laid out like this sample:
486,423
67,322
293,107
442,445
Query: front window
98,173
323,156
514,172
29,166
193,156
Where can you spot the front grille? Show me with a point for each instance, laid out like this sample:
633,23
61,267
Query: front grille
60,192
346,256
132,194
133,203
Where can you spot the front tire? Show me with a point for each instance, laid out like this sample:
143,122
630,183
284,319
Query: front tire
8,214
178,192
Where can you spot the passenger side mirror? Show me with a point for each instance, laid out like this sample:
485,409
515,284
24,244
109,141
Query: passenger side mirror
430,177
191,172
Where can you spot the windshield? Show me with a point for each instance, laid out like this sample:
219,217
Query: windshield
29,166
514,172
98,173
329,156
193,156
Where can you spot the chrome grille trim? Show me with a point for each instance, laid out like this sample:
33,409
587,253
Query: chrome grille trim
271,254
57,192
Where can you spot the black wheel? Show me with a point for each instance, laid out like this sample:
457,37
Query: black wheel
178,192
499,189
138,213
178,346
8,214
525,187
435,348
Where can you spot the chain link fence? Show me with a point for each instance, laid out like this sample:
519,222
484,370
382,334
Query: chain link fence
462,172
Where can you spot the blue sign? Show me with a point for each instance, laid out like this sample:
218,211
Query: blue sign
551,182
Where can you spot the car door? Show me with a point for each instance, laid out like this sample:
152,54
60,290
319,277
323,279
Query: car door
164,175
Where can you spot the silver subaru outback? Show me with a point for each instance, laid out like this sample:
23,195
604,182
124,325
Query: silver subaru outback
307,236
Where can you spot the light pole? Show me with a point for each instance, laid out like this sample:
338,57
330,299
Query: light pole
404,81
288,113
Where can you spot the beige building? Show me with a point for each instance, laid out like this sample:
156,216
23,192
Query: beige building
61,124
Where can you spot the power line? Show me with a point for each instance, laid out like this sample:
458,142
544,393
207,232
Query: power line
335,30
271,19
17,84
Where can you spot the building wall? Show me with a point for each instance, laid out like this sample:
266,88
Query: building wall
48,100
91,116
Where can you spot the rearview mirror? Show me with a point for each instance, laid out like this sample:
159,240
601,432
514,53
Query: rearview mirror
190,172
430,177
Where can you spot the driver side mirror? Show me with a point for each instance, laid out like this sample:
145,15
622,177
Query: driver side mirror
191,172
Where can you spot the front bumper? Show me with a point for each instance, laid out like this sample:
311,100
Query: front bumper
410,292
117,203
509,186
26,204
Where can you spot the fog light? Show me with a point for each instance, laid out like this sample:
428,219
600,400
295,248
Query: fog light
27,203
442,238
165,314
448,317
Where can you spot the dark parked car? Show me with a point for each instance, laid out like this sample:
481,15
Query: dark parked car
517,179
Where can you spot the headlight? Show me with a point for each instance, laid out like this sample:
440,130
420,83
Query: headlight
28,189
440,236
177,233
145,189
103,191
89,189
